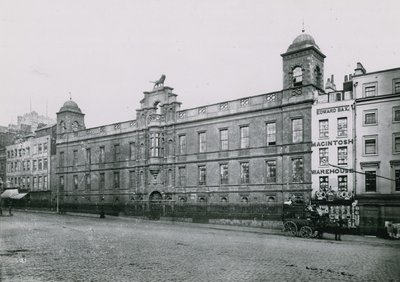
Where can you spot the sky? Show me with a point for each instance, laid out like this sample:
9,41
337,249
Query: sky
103,53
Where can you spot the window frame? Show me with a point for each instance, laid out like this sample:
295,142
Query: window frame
202,142
342,131
338,155
202,175
394,110
224,173
369,112
268,177
224,139
293,177
244,174
301,136
323,152
244,136
323,134
365,139
269,142
370,172
182,144
395,136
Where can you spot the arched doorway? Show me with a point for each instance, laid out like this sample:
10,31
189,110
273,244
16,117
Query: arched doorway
155,205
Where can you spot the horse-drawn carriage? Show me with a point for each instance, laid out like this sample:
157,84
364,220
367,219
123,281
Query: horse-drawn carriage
306,221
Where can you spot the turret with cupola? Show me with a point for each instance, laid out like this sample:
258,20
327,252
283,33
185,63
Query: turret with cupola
70,118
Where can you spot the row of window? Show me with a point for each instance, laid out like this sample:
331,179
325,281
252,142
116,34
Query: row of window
341,128
371,184
370,145
342,156
371,89
156,149
297,175
24,182
370,117
342,183
37,165
37,149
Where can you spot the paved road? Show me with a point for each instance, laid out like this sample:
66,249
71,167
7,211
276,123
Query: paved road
46,247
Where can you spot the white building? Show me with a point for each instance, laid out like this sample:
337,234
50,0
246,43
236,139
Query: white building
377,120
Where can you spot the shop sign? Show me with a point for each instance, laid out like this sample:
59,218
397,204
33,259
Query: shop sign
338,142
332,171
333,110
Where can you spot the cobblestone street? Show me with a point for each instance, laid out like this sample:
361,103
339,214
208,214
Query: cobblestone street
48,247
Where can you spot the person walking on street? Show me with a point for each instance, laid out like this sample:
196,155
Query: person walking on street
338,229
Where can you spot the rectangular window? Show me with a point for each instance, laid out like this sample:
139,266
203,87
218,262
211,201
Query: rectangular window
132,151
155,144
169,177
28,165
116,152
102,154
396,114
40,164
271,171
76,185
370,118
88,156
297,170
370,146
244,137
323,157
45,183
182,176
397,179
324,183
61,183
34,166
342,155
28,182
323,128
35,182
62,159
244,173
271,134
370,91
75,158
223,172
45,164
342,183
40,183
397,87
223,139
202,175
202,142
141,175
45,148
342,127
102,181
396,143
116,179
370,181
88,181
132,179
297,130
182,144
39,149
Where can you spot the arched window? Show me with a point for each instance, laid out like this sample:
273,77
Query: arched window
318,77
157,107
297,76
75,126
63,128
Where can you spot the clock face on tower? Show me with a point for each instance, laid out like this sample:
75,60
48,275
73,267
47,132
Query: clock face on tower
75,126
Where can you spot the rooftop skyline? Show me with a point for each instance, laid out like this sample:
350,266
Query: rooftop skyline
104,54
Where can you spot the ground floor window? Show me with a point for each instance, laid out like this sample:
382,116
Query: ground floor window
323,183
397,179
370,181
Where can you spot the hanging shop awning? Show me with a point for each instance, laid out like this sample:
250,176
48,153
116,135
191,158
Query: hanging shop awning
8,193
18,196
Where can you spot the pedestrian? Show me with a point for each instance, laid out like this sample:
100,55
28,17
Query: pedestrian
338,229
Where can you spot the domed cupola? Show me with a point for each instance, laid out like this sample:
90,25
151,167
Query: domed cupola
302,41
70,106
303,63
70,118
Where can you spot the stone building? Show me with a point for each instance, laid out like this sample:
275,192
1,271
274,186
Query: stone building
255,149
29,165
377,150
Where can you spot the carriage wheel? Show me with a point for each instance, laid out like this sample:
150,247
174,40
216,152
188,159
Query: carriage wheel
306,232
290,227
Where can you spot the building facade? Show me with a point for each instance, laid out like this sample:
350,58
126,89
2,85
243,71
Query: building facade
377,120
255,150
28,165
333,176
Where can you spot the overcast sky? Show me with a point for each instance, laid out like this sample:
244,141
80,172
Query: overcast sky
105,52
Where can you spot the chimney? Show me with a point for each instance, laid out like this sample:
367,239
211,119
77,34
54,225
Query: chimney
359,70
345,78
348,83
330,85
